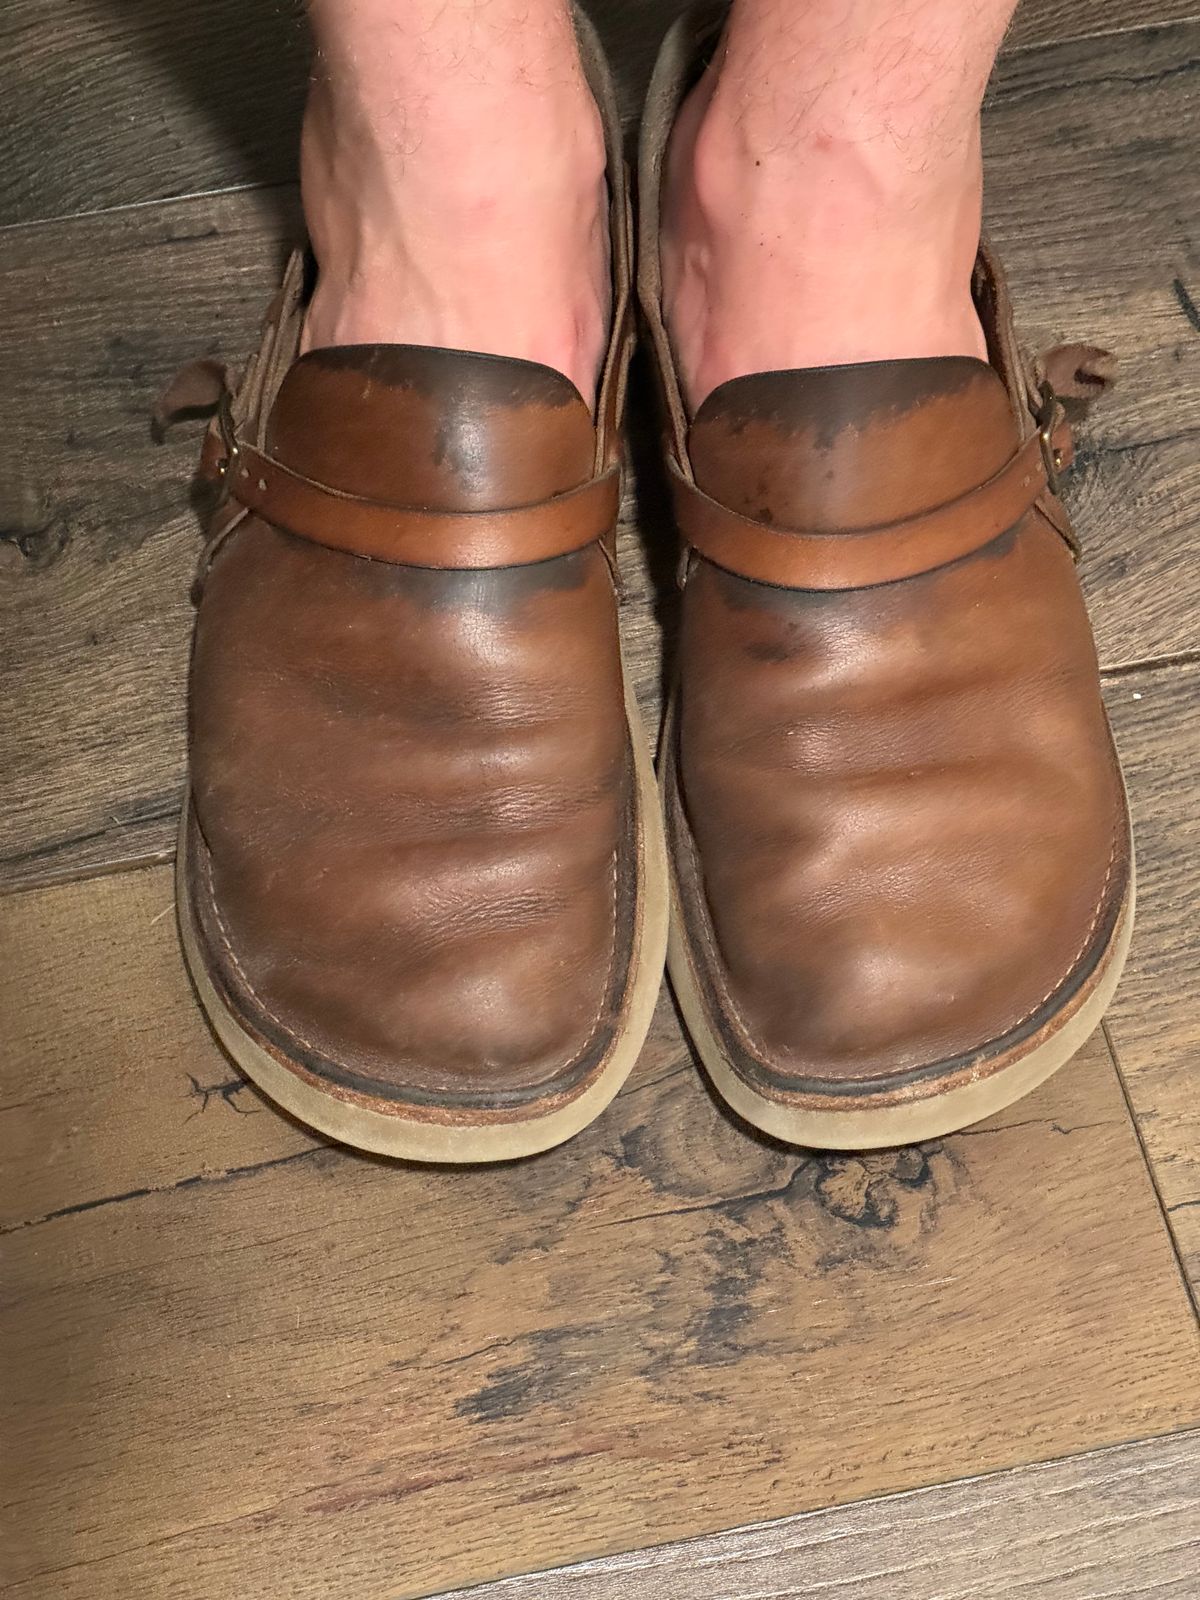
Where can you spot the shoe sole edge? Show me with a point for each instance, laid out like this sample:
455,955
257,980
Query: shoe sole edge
392,1132
894,1121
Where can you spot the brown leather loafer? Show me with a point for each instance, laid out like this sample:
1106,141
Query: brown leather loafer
902,873
422,887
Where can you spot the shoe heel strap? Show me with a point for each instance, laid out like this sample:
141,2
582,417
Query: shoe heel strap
412,535
829,559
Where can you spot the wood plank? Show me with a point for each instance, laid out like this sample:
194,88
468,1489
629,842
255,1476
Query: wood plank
99,539
104,1041
1040,22
1117,1523
1154,1021
111,105
1093,167
291,1370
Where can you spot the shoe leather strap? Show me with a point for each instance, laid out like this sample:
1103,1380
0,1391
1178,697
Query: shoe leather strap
829,559
415,536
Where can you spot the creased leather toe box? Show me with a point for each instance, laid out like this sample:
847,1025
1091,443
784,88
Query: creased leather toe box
411,837
901,842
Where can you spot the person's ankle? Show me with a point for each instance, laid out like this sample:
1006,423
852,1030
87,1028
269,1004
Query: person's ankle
813,249
498,246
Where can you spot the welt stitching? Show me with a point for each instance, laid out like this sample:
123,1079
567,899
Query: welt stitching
715,961
288,1032
296,1038
612,958
1091,928
747,1038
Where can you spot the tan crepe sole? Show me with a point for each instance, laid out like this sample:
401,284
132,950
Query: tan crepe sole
893,1121
396,1130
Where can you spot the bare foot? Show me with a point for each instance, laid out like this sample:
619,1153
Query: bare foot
824,189
453,180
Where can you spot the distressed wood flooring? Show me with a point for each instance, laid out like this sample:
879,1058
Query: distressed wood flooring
671,1359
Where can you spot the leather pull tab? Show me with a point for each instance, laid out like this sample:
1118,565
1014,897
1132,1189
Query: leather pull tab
415,535
854,558
1078,371
195,390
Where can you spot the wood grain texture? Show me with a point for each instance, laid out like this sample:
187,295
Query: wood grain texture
98,1042
1040,22
1154,1021
98,539
1093,164
112,102
1116,1523
241,1363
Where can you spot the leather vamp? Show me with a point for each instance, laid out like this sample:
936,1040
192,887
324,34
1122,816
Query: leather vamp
412,787
903,831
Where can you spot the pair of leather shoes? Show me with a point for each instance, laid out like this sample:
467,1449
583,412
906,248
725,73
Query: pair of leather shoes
423,887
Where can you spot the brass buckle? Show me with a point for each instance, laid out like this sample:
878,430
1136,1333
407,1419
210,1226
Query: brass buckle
1045,418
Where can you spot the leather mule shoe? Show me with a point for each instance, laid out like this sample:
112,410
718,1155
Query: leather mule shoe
902,872
422,888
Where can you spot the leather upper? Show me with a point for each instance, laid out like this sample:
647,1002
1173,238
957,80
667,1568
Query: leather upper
412,786
839,556
414,847
416,853
900,828
413,518
896,820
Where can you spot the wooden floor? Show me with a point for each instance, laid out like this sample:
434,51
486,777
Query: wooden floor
241,1363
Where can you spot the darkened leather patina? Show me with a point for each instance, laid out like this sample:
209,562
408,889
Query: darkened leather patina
896,822
416,850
